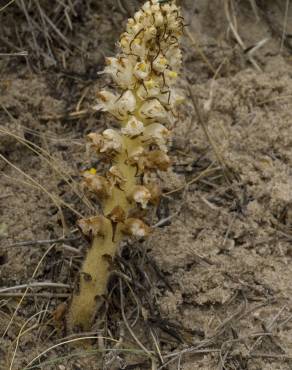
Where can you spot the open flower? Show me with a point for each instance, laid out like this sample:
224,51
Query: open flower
160,63
124,105
112,141
106,100
133,127
142,70
121,70
154,110
158,134
150,88
118,106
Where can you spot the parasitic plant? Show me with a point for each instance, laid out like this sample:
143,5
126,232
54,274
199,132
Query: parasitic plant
144,103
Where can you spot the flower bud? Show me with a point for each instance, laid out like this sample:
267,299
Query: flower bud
158,19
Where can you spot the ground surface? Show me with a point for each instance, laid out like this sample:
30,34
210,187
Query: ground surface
214,281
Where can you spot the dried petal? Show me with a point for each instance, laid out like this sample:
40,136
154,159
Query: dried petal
156,159
136,227
96,184
155,192
92,226
141,195
117,215
115,176
96,140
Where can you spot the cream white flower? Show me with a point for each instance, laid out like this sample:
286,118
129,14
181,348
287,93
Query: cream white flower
142,70
112,141
136,154
119,106
121,70
133,127
158,134
125,104
150,33
160,63
138,48
158,19
154,110
170,76
106,100
150,88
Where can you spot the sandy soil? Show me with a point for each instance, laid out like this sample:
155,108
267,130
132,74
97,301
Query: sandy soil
213,283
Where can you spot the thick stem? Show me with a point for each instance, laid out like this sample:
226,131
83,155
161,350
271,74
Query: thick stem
96,267
93,281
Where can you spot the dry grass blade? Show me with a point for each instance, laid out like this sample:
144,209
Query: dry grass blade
227,5
199,51
56,199
45,284
41,242
201,120
21,333
26,290
285,23
7,5
74,340
18,54
209,170
127,324
47,158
